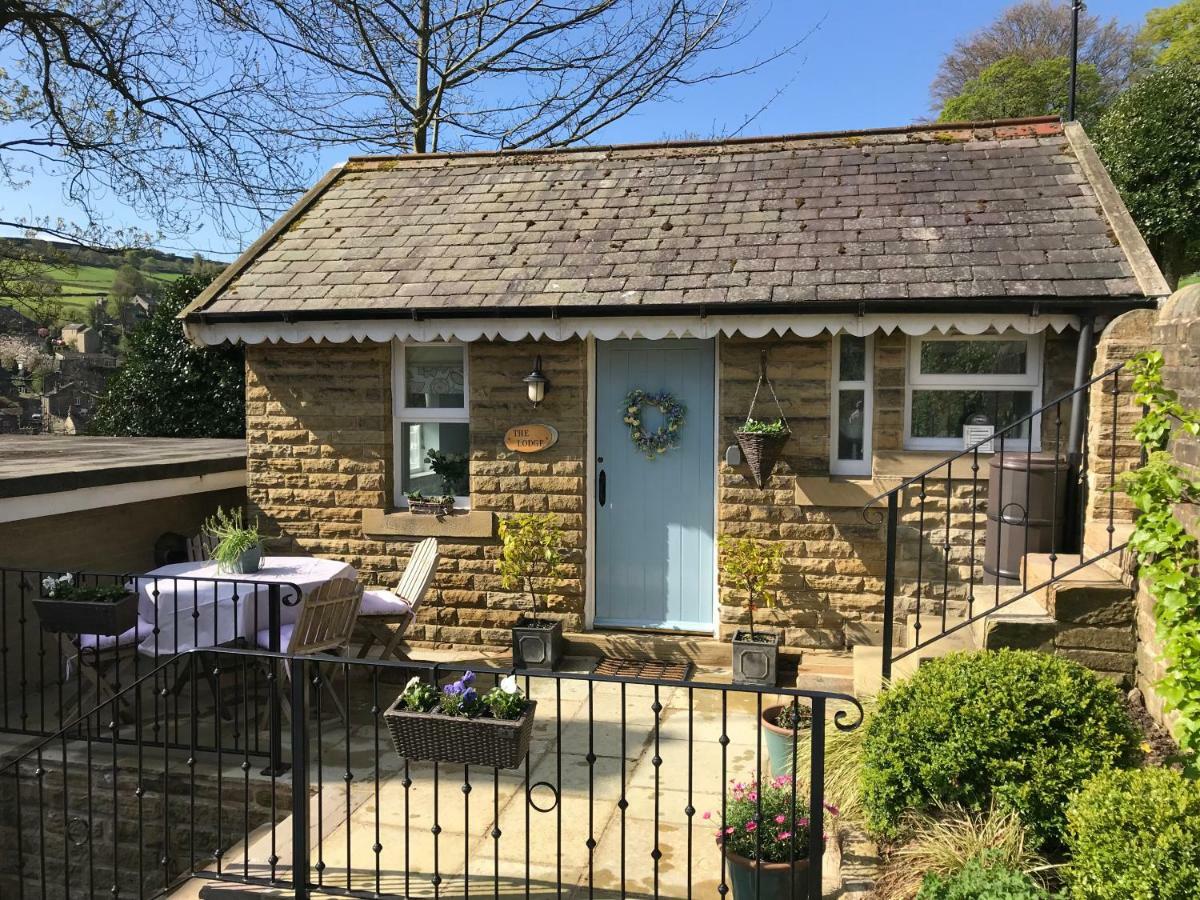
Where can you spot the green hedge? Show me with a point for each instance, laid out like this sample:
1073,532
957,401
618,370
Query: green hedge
1021,728
980,880
1135,836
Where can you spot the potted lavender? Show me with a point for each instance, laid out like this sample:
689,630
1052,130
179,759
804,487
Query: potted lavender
459,725
750,564
65,606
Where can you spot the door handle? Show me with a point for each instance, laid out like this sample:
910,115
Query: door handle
601,487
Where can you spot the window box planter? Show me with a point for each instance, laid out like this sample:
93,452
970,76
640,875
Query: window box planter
74,616
761,452
537,644
430,507
774,880
756,658
496,743
778,738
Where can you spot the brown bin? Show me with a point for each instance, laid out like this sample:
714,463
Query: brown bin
1014,480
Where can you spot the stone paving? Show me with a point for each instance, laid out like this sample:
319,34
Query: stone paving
544,849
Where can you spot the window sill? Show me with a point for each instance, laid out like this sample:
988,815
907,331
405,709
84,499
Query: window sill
889,469
401,524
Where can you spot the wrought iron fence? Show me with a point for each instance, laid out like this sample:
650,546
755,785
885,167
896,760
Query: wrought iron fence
48,678
951,547
621,794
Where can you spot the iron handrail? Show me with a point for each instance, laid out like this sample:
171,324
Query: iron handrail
1030,417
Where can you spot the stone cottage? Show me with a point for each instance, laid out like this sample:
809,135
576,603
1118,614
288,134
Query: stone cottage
895,285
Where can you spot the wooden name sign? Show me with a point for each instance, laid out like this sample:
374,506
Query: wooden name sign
530,438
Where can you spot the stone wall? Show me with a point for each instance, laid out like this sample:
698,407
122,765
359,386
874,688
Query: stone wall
97,821
1176,333
319,428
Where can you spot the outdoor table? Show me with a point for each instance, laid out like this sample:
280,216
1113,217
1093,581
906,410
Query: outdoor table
194,605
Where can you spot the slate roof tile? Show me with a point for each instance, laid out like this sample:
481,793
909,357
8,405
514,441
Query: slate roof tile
977,212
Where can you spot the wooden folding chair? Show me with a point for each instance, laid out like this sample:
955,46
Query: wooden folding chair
200,547
403,604
325,624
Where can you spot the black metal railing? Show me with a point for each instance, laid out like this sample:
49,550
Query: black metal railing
949,543
48,679
621,793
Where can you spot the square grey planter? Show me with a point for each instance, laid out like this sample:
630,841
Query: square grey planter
535,646
756,662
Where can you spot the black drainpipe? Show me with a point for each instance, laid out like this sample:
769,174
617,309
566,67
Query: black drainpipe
1075,488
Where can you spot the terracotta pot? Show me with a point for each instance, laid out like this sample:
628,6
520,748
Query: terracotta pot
779,739
773,882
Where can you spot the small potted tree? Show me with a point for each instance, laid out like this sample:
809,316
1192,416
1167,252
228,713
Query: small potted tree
750,564
66,606
239,547
532,547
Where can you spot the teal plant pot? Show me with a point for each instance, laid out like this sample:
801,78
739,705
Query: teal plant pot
249,561
247,564
773,882
779,740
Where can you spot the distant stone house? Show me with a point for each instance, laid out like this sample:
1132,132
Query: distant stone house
80,338
896,282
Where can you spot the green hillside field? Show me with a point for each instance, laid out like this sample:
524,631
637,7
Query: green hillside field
83,285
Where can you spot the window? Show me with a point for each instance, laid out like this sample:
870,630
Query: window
850,453
432,421
954,379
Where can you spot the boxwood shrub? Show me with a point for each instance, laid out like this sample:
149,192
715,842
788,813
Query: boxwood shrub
981,880
1019,728
1135,836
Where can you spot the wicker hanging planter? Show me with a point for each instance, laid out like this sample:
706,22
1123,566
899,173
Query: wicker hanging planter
495,743
762,449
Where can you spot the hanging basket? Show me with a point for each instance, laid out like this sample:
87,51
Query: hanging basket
761,450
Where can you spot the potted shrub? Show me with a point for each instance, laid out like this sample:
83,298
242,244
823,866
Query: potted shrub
764,838
781,724
749,564
458,725
452,469
420,505
239,548
762,443
98,609
532,546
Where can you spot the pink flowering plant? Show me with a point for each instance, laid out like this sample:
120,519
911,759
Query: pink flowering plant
761,822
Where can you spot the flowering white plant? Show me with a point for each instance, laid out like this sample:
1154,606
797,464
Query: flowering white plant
52,586
509,685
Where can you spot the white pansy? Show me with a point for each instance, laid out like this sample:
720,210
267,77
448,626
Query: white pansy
412,683
509,685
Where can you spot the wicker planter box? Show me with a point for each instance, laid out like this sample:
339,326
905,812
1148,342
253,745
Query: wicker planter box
88,616
429,508
761,452
496,743
535,647
756,662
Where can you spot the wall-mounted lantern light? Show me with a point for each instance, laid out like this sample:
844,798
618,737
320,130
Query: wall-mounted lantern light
536,383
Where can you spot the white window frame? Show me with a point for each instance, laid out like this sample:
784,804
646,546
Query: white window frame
1031,381
867,386
404,415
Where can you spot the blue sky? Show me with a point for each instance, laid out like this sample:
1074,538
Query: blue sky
869,64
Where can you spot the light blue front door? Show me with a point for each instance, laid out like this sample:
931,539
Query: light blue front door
654,518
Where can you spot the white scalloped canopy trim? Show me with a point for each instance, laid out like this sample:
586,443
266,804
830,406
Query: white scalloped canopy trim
613,327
